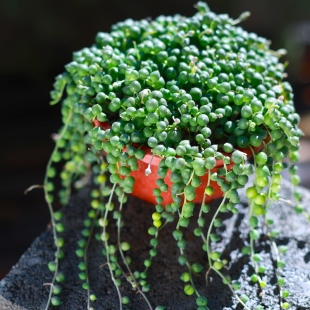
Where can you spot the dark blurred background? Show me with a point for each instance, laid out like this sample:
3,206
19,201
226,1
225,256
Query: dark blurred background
37,40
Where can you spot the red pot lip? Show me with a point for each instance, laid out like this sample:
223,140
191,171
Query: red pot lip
156,159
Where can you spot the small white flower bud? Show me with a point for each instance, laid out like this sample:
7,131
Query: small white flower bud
148,171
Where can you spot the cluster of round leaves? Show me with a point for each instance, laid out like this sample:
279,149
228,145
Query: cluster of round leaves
182,86
195,90
188,87
200,78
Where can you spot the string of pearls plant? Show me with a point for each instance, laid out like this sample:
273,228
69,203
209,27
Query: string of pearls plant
203,95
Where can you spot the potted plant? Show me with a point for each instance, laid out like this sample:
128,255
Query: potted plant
171,111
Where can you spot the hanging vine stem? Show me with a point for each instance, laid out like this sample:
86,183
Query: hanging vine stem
29,189
274,245
232,289
191,278
250,215
50,207
297,199
200,213
102,184
105,215
207,243
182,251
155,236
123,257
207,240
276,250
85,259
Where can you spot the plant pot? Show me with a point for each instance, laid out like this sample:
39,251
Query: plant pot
144,185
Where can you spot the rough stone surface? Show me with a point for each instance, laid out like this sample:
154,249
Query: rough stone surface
24,288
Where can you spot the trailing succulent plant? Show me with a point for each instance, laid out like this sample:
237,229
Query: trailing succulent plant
203,95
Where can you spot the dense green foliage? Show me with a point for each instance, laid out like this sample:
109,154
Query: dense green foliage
195,90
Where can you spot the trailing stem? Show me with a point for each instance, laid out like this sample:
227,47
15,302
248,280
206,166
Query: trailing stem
206,241
279,262
50,207
104,216
85,260
231,288
181,248
124,259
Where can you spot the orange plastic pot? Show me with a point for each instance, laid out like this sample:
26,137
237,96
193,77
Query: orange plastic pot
144,185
